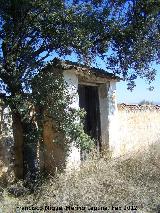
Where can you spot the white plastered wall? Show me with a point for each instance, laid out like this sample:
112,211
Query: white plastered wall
73,159
114,143
104,109
108,117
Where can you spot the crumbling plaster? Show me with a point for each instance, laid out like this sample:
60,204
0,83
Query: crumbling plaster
54,154
108,110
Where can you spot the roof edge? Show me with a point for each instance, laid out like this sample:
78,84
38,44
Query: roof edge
68,65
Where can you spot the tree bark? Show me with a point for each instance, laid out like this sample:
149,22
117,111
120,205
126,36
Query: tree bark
31,167
28,144
26,164
18,147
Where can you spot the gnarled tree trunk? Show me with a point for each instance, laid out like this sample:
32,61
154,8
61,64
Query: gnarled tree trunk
19,145
26,163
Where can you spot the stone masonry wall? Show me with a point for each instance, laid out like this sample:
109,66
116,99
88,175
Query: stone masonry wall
138,127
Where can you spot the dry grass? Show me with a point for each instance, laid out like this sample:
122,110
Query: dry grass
100,183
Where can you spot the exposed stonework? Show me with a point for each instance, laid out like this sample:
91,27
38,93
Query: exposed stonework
137,107
53,155
54,152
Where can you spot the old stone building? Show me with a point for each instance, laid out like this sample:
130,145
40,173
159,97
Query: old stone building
122,130
94,90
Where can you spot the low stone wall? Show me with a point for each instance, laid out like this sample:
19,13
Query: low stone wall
138,127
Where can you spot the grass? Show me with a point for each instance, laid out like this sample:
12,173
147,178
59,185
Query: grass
101,182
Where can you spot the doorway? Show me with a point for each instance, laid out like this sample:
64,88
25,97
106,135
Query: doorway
89,101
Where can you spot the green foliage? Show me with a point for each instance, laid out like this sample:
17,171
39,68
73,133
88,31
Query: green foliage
136,40
53,101
30,31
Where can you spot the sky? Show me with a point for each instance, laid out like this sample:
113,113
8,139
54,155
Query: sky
140,92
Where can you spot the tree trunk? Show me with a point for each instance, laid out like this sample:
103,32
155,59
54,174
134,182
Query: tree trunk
18,147
31,166
26,164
